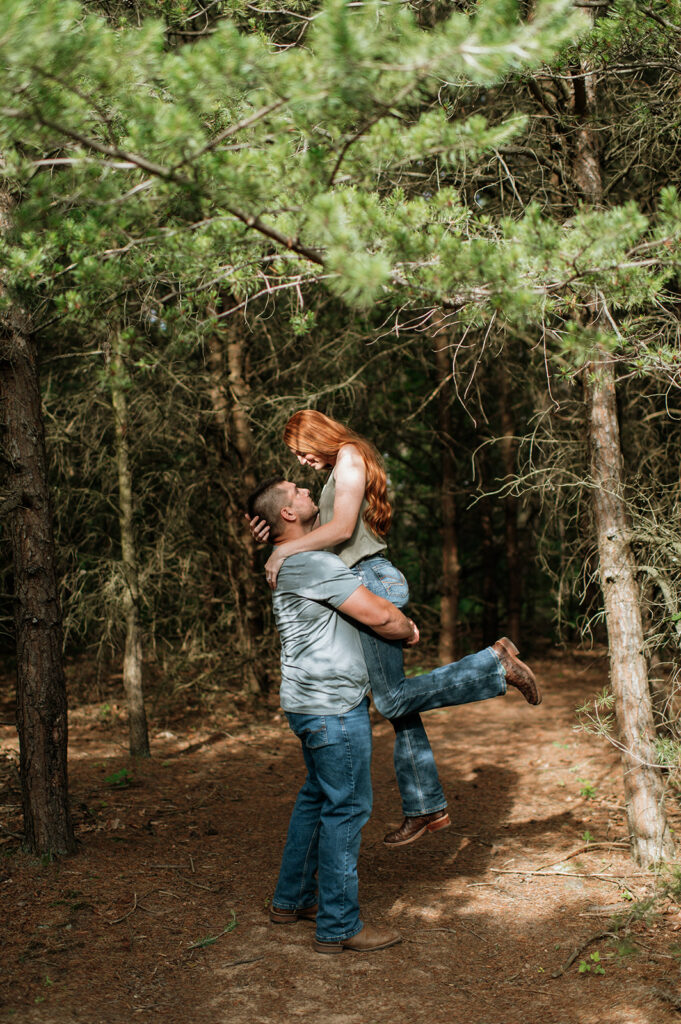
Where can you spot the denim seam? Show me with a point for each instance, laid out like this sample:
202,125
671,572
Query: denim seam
417,779
348,760
500,668
303,877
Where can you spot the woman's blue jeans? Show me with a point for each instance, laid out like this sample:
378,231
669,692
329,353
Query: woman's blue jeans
325,828
475,677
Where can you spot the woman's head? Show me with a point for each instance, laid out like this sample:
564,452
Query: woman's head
309,432
316,440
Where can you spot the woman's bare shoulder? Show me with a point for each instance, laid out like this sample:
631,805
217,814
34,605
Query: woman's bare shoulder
349,455
349,463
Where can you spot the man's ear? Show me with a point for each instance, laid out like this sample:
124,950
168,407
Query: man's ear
288,514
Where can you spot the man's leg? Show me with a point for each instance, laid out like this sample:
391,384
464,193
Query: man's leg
343,767
296,887
325,828
415,768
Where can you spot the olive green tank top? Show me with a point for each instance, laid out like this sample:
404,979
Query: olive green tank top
364,542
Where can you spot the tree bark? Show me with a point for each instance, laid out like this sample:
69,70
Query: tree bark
513,563
41,688
227,359
490,561
451,569
132,659
649,833
643,790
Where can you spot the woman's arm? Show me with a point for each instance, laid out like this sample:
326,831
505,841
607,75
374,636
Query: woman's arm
350,477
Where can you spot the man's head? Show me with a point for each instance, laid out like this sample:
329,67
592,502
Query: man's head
288,510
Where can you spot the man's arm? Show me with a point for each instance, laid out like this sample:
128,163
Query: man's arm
380,615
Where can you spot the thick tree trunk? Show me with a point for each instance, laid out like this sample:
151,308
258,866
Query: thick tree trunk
449,600
643,790
41,687
132,658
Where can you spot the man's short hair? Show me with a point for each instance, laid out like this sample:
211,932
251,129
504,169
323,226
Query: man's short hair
266,502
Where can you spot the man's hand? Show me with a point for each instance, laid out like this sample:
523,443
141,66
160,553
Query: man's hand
260,531
415,637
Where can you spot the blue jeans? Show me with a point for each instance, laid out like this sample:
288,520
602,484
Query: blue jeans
476,677
325,828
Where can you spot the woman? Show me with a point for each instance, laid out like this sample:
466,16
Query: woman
354,517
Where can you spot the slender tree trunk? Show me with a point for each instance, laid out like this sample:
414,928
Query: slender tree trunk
649,833
490,592
227,362
250,617
513,562
41,687
449,600
132,658
215,362
643,790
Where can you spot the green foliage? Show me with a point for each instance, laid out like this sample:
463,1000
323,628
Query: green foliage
592,965
149,146
210,940
120,779
587,789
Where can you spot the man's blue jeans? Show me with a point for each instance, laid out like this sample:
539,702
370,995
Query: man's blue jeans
476,677
325,828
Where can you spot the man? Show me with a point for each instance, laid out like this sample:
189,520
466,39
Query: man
324,695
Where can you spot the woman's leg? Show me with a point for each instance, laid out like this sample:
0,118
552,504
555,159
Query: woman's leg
415,768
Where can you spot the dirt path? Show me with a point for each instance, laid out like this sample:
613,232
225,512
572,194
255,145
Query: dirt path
188,853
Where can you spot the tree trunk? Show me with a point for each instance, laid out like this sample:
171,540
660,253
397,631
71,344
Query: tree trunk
513,562
643,790
490,592
649,833
449,600
132,658
227,359
41,687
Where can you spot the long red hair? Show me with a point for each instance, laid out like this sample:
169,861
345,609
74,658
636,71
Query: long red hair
309,432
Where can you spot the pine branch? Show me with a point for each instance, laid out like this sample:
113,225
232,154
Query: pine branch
542,98
169,174
662,21
232,130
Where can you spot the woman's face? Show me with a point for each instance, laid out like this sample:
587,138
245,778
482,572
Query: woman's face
310,459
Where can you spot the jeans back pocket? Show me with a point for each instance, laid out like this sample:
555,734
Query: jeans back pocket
396,586
315,738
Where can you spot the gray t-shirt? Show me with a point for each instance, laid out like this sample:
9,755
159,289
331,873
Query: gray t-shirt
323,671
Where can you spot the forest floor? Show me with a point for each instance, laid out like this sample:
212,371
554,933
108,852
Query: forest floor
162,915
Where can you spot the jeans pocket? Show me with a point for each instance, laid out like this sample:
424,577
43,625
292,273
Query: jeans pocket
396,586
315,738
